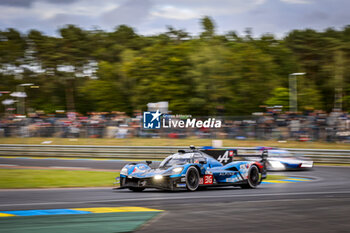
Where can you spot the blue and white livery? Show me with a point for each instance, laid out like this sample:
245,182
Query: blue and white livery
192,169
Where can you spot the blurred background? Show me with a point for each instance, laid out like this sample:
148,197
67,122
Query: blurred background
62,77
94,83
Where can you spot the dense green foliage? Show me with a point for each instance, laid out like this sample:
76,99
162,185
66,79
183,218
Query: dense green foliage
209,74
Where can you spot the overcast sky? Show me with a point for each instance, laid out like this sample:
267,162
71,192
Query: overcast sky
152,16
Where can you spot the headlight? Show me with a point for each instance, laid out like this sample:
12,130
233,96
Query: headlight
177,170
276,165
124,171
307,164
158,177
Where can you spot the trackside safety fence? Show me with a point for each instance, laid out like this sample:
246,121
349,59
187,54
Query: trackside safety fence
149,152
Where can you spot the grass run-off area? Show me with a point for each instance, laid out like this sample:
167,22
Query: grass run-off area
27,178
172,142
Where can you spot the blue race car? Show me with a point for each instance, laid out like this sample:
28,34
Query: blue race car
192,169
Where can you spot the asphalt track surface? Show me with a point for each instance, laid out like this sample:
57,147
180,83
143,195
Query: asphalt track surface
321,205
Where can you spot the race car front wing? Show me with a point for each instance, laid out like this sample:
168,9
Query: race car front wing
166,182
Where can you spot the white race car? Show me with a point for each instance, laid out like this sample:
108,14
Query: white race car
284,160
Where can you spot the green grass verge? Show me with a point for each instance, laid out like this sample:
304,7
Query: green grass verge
275,177
332,164
172,142
28,178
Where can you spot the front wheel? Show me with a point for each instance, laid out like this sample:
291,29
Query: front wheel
254,178
192,179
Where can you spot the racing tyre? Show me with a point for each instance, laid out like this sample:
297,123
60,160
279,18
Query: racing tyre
136,189
192,179
254,178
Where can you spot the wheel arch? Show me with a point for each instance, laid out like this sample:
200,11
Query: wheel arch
259,166
192,165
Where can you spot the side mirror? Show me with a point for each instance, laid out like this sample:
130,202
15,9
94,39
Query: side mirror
148,162
203,161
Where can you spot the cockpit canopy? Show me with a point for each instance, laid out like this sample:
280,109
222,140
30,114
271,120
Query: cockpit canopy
184,158
280,153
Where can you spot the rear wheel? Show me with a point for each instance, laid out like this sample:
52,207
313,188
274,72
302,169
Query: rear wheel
136,189
192,179
254,178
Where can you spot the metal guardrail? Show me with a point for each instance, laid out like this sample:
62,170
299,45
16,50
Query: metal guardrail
82,151
148,152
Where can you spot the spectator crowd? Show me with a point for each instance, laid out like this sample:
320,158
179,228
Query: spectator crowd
310,126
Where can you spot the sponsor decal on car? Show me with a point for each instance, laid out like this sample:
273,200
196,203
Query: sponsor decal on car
207,179
143,183
232,179
244,166
226,173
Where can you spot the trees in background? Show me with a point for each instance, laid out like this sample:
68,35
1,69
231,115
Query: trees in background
207,75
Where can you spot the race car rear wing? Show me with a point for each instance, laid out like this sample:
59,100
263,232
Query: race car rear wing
226,156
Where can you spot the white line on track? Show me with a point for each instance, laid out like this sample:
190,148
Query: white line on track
182,197
8,165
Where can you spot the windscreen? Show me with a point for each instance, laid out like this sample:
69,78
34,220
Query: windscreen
177,159
279,153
